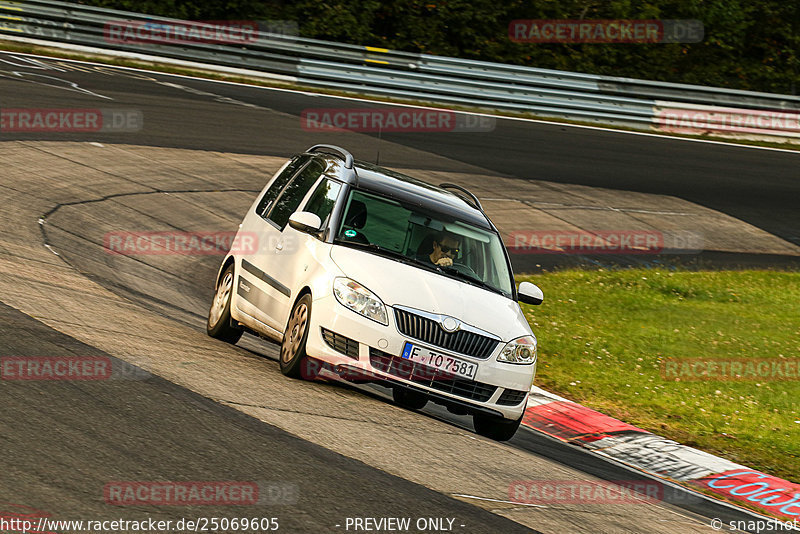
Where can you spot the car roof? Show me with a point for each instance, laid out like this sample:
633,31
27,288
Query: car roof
407,189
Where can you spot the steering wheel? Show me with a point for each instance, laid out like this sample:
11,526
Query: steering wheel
465,269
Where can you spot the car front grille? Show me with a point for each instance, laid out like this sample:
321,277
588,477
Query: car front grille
429,376
511,397
340,343
430,331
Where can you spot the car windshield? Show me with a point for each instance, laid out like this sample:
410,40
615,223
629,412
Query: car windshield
425,240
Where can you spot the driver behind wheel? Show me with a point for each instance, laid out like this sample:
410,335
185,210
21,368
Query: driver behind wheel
445,247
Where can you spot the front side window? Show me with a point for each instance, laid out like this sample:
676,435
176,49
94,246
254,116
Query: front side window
425,239
291,196
267,201
323,199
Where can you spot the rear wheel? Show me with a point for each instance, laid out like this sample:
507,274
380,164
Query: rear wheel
219,316
411,400
496,428
294,361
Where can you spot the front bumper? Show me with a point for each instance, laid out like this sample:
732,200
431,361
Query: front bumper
498,389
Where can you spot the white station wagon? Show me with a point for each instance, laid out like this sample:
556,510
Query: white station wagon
377,276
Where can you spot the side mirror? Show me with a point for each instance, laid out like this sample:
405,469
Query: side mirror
530,294
305,221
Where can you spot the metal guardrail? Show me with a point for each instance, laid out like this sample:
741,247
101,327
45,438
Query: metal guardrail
378,71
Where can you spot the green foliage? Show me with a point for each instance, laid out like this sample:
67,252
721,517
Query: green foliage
605,337
747,45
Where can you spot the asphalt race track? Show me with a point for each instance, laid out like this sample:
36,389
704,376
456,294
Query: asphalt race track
758,186
195,409
69,437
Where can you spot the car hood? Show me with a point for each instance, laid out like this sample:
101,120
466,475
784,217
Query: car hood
396,283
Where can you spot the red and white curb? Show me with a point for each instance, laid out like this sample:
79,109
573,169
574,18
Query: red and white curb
608,437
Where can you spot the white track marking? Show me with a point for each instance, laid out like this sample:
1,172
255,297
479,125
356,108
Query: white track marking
498,500
357,99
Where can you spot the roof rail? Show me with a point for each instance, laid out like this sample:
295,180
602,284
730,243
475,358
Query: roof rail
472,199
348,157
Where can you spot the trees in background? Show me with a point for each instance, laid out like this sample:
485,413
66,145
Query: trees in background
748,44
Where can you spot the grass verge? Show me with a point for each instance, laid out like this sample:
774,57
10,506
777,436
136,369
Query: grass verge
604,334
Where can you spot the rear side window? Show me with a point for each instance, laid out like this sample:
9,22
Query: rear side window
323,199
294,192
277,186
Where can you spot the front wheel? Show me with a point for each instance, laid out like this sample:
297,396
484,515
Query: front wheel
294,361
219,316
495,428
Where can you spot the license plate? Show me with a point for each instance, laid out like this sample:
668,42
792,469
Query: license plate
439,360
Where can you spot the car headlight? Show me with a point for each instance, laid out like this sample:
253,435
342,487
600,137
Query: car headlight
520,351
361,300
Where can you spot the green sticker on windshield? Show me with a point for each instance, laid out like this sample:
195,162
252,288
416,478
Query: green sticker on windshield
350,233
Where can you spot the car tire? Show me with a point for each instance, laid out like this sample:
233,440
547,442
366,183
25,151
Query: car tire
294,361
409,399
219,315
495,428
